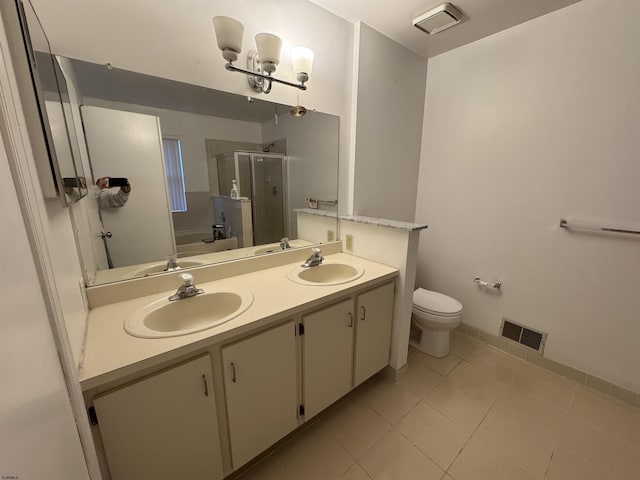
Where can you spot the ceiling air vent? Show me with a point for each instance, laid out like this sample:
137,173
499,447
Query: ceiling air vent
523,335
438,19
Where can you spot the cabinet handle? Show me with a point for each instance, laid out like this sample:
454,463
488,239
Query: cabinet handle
206,387
364,313
350,322
233,373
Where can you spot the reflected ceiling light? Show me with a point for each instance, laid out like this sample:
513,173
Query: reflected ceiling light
261,64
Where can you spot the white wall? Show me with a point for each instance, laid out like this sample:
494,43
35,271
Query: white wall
39,437
35,414
522,128
388,126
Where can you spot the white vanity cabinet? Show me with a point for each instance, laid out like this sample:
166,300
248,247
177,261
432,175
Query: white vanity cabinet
327,355
268,380
374,314
261,390
344,345
164,426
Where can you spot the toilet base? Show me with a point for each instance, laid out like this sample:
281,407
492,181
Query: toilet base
431,342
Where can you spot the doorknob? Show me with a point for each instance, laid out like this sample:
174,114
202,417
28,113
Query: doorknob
104,235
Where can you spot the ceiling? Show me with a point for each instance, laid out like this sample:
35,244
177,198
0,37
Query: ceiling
482,18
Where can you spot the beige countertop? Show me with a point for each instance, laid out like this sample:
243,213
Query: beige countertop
111,353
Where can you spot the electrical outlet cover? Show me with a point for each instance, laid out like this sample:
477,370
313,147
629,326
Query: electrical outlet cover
349,243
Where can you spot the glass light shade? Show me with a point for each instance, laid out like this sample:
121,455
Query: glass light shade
229,36
302,59
269,46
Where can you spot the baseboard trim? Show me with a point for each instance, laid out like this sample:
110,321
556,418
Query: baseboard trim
579,376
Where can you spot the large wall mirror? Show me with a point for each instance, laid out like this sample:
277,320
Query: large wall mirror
173,153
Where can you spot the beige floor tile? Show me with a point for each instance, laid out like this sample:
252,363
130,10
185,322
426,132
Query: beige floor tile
442,366
478,461
500,365
355,473
522,428
394,458
313,455
461,345
356,426
619,459
271,468
435,435
477,380
465,396
568,466
420,380
464,409
550,387
609,415
388,399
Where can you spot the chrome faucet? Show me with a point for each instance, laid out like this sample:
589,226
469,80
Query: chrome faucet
314,260
172,264
284,243
187,289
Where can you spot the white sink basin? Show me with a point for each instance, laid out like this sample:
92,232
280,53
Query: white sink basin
327,273
161,267
268,249
164,318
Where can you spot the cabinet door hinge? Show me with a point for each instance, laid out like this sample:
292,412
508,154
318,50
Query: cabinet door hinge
93,416
301,329
300,410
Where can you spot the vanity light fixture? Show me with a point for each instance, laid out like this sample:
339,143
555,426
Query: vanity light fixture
261,64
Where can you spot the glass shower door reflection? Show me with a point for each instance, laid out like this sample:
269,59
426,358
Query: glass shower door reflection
269,180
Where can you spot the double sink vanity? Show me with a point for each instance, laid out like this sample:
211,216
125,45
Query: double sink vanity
198,387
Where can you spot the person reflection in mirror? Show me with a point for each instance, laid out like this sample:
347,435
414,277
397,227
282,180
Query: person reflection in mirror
109,197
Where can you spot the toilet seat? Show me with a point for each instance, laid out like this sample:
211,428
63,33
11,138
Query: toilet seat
434,303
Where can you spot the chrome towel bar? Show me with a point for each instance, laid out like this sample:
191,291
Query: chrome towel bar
482,283
583,226
313,203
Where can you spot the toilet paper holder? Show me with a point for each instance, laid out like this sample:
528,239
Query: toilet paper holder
497,285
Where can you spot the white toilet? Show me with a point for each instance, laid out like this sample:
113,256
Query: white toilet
434,315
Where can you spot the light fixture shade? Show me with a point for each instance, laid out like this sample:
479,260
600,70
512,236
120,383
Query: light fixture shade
229,33
302,59
269,46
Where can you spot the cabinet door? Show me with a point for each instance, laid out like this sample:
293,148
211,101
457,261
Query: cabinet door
327,356
260,378
163,427
374,314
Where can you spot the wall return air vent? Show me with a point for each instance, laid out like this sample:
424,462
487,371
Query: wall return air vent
523,335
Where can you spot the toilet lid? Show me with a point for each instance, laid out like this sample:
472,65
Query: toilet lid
434,302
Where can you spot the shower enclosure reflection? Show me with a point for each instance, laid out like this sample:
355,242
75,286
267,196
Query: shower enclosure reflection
261,178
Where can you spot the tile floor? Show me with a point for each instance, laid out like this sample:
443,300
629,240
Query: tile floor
476,414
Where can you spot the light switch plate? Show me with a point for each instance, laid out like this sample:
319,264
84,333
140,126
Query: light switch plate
331,235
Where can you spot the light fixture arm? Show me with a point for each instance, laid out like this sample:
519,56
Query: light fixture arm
260,78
